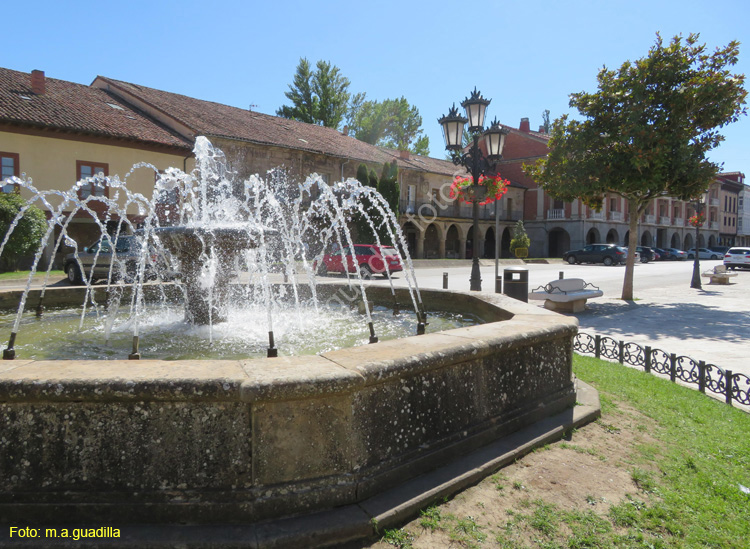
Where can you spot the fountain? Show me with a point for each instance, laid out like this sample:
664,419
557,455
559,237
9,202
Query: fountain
356,434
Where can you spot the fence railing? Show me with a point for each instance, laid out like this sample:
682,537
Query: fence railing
708,377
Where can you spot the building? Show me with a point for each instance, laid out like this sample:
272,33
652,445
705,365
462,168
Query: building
730,185
57,132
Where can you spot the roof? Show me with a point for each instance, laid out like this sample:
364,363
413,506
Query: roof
207,118
77,108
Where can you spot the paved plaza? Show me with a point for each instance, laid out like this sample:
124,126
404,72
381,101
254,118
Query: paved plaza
711,324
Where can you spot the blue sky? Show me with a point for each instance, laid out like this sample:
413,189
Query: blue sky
525,56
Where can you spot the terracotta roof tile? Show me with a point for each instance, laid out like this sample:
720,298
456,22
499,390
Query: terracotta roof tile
77,108
214,119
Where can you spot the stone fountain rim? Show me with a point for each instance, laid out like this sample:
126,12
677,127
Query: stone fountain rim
284,377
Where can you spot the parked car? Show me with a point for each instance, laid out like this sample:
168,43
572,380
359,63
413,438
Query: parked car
737,257
703,253
677,255
721,250
124,262
647,254
664,255
368,259
609,254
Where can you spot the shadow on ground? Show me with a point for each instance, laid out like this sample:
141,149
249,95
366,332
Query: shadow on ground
677,320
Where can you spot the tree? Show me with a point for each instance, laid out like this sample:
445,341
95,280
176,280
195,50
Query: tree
318,97
26,235
520,238
388,185
392,123
646,131
546,124
304,105
363,175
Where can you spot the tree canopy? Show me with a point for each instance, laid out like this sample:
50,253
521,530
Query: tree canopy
646,131
392,123
318,96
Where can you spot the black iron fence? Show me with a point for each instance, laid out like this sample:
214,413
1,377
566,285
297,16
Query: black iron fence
708,377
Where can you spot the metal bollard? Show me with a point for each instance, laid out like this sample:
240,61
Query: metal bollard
561,275
445,281
498,284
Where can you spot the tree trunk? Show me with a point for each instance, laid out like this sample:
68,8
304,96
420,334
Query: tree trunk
635,214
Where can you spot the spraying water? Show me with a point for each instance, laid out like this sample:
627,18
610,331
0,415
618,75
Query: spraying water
226,241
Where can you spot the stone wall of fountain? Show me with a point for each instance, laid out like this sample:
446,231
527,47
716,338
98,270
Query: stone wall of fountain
240,441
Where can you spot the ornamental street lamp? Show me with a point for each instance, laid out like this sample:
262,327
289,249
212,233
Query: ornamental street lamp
476,162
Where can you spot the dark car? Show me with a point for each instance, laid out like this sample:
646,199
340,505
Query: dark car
368,259
647,254
609,254
664,254
98,261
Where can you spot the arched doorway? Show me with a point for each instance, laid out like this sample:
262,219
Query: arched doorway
688,241
489,243
675,241
592,237
646,239
559,242
701,241
612,237
431,242
626,239
452,243
505,243
411,234
711,241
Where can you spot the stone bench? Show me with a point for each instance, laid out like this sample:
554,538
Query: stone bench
719,275
566,295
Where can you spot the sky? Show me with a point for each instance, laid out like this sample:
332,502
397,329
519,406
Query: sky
525,56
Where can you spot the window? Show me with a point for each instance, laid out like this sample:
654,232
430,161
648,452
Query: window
91,169
8,168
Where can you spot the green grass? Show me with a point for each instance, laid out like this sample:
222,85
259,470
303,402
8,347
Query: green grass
24,275
689,479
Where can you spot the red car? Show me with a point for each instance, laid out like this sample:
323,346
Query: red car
368,259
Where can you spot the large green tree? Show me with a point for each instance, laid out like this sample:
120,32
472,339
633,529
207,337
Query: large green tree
392,123
646,131
318,96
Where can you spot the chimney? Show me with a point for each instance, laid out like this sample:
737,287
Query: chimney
38,83
403,154
524,127
346,130
541,129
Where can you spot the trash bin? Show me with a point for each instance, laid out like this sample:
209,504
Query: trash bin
516,282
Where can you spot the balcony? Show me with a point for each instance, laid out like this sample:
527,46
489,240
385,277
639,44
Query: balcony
596,215
714,225
679,222
663,220
426,211
615,216
556,214
650,219
713,201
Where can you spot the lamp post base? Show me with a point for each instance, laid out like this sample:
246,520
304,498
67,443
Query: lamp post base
475,282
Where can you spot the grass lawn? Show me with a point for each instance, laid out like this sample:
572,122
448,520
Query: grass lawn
665,466
24,275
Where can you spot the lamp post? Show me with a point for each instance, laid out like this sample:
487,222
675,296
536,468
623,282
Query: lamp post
696,280
476,162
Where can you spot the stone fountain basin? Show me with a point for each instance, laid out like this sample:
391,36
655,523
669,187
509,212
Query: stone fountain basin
237,442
